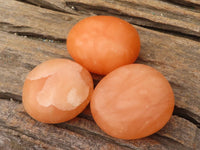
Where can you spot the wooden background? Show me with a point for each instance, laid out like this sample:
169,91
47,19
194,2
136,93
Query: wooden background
33,31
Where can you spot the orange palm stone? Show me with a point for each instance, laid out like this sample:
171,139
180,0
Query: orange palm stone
133,101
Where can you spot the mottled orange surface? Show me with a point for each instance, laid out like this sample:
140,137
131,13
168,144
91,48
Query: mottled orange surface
57,91
132,102
103,43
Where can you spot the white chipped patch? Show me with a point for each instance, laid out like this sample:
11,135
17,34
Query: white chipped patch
60,84
45,99
75,98
51,67
32,76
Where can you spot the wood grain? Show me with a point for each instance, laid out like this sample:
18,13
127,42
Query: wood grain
30,34
83,133
148,13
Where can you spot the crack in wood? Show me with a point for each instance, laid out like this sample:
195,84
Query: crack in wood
87,117
10,97
29,66
186,114
39,36
84,8
185,4
26,2
165,140
5,25
173,32
45,38
44,4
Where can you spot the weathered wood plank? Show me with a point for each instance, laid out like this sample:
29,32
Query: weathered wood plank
40,35
15,121
82,133
150,13
193,5
178,61
31,58
20,18
18,55
182,131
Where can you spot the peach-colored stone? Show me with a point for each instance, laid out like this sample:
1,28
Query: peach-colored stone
132,102
103,43
60,86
